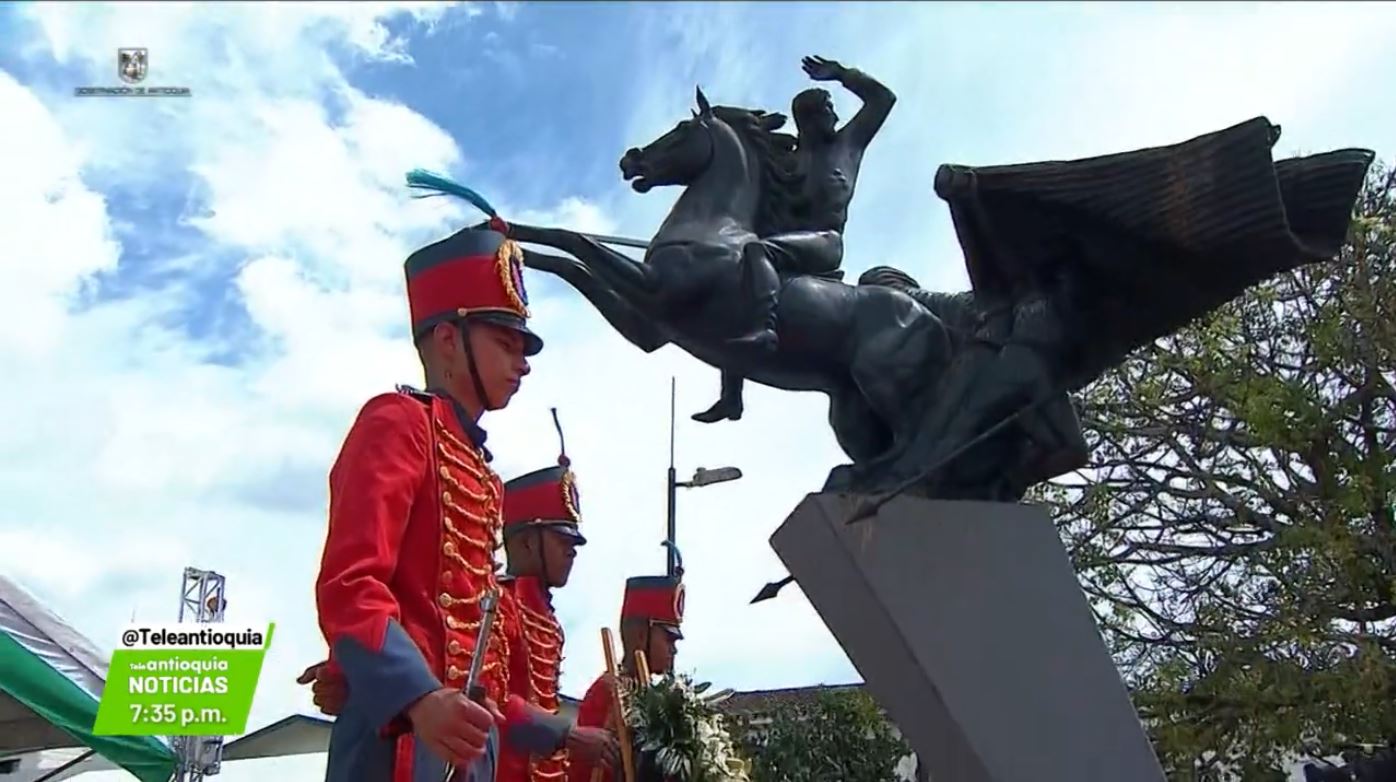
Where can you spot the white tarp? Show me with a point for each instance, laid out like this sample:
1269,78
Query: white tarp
51,681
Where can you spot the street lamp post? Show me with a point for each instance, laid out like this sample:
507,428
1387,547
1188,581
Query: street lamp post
702,477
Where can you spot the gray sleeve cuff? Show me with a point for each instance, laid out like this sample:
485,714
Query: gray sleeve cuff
384,683
541,734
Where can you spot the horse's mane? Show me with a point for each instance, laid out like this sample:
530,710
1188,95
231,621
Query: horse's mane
782,207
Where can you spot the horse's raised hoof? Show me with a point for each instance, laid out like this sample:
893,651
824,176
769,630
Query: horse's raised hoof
722,411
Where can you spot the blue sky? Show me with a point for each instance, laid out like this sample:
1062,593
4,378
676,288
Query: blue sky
200,293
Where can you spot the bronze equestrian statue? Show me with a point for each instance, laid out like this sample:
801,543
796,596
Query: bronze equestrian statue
966,395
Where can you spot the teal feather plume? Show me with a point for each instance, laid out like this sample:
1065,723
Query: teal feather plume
422,179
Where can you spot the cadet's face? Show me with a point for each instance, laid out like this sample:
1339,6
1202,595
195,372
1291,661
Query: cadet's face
499,356
663,648
559,552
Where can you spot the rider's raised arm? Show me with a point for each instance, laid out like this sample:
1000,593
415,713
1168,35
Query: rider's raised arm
877,104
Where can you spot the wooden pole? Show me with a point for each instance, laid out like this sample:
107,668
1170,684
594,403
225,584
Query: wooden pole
627,758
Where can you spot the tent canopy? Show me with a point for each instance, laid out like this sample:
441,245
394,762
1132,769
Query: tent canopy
51,681
298,734
22,730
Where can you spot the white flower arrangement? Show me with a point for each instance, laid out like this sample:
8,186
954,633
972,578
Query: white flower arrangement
681,732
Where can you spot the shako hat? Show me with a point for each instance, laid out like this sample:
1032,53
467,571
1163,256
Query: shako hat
475,274
545,498
657,599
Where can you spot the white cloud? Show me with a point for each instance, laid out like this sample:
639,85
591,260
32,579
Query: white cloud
29,556
573,213
56,229
508,10
258,35
133,452
285,177
140,454
248,67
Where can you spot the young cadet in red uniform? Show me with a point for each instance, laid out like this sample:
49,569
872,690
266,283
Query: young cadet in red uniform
650,617
542,514
542,517
414,512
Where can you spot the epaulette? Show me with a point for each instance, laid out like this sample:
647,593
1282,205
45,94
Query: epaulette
425,397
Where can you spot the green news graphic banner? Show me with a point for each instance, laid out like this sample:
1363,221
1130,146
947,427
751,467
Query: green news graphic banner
182,680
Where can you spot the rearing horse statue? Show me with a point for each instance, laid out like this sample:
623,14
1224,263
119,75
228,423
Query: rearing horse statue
1075,264
868,347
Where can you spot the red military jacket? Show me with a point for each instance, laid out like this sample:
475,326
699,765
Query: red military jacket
535,664
594,711
415,510
659,600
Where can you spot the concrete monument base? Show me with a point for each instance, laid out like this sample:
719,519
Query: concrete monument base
968,626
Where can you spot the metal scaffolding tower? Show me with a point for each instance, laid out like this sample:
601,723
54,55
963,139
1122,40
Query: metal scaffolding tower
201,600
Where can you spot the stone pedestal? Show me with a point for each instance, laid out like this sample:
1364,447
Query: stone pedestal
969,628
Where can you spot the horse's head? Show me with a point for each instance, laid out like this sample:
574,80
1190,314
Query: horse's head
677,157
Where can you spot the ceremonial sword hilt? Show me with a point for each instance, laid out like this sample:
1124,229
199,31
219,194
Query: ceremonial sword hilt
474,689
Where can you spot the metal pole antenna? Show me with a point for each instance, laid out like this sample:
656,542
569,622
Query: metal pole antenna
673,480
201,599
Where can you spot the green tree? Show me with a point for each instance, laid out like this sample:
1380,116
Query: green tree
840,736
1235,530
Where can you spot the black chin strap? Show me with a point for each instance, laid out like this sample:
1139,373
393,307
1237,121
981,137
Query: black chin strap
649,645
464,327
542,557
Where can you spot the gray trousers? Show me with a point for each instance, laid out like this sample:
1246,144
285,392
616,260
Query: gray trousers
358,754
